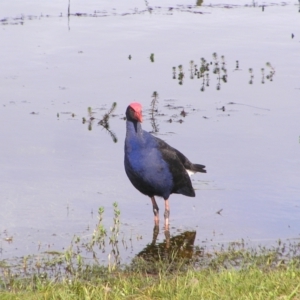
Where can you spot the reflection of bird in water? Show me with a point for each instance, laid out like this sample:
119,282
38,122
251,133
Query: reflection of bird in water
154,167
177,248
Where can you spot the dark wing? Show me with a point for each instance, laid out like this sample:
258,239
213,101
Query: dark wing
184,160
178,164
181,180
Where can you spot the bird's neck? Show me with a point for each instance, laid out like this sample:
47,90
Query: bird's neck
133,128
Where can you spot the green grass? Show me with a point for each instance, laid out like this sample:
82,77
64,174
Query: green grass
251,283
173,269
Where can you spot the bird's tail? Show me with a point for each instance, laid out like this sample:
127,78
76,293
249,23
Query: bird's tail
198,168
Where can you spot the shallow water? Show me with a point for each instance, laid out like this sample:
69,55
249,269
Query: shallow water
55,173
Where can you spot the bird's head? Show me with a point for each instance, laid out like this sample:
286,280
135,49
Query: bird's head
134,112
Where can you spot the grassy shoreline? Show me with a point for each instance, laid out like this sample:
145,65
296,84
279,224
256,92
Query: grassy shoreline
233,273
250,283
173,269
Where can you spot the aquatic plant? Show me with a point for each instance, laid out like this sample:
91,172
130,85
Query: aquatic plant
180,75
251,76
152,57
104,122
262,75
203,72
271,71
174,72
153,112
192,71
219,70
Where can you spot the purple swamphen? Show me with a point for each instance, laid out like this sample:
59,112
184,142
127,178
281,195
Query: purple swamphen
154,167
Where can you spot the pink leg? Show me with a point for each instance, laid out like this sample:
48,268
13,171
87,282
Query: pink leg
167,214
155,211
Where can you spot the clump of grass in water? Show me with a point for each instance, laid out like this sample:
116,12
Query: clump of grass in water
91,118
104,122
174,72
180,75
99,233
204,74
153,112
268,76
192,69
262,75
69,264
152,57
217,70
224,69
271,73
113,240
218,67
251,76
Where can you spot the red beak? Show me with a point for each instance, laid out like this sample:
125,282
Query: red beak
139,116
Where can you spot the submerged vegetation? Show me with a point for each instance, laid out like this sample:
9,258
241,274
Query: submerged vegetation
154,112
172,269
216,67
104,122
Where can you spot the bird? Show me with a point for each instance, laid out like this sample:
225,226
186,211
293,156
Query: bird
154,167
